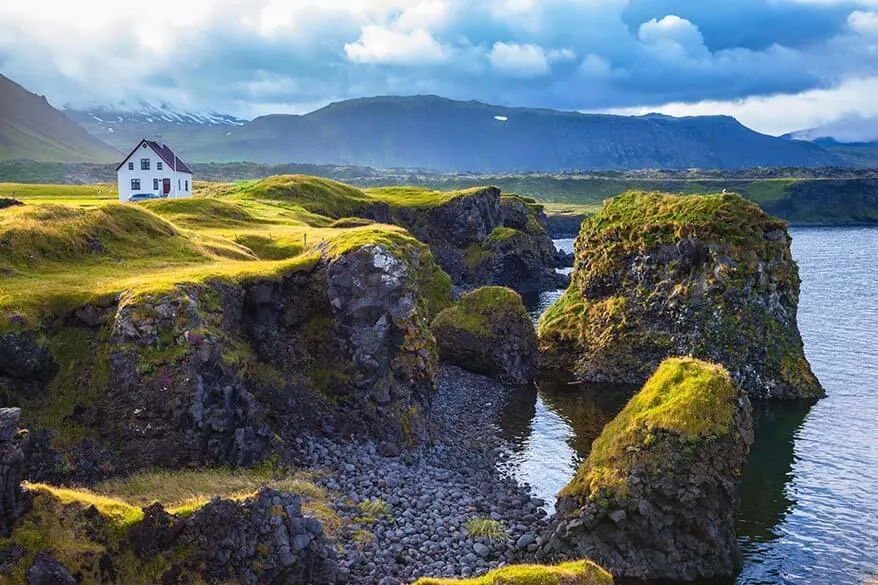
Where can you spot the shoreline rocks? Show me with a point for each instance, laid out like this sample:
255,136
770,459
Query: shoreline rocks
432,492
658,495
662,275
489,332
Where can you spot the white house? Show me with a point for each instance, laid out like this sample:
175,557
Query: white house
153,168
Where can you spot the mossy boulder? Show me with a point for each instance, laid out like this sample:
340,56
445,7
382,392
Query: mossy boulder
662,275
489,332
658,495
580,572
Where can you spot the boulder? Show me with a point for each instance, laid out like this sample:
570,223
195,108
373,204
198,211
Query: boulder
47,571
489,332
658,495
662,275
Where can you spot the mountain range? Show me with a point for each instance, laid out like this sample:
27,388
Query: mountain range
425,132
30,128
123,125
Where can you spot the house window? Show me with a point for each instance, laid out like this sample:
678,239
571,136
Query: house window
144,164
131,166
155,184
159,166
187,185
179,184
135,184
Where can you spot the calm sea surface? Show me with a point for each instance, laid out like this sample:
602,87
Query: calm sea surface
809,510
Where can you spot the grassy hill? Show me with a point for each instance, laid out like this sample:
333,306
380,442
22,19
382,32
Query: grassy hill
71,245
30,128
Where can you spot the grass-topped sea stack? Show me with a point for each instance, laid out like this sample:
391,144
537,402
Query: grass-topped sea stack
661,275
489,332
658,495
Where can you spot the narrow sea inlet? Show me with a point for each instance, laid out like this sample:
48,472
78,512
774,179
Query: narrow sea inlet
809,512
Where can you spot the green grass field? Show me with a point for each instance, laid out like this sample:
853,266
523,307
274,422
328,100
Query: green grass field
79,195
71,245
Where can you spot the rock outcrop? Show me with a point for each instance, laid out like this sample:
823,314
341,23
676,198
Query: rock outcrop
12,500
573,573
261,540
658,495
661,275
482,238
230,372
9,202
489,332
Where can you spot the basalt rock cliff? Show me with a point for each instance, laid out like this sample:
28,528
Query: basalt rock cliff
232,371
661,275
658,495
482,238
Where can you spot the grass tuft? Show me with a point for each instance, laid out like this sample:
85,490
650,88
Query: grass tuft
486,528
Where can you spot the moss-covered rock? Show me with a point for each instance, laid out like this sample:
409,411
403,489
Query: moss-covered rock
489,332
658,495
256,540
581,572
662,275
231,371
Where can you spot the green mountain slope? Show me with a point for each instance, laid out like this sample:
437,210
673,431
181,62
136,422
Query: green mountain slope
32,129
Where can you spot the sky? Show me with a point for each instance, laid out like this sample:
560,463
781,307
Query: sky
776,65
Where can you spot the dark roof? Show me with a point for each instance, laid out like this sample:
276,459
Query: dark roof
164,151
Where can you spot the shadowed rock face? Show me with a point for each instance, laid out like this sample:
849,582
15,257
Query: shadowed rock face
483,239
12,500
659,275
658,495
489,332
231,373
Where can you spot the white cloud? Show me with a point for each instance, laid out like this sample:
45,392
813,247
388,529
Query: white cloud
428,15
865,23
673,36
382,45
519,60
780,114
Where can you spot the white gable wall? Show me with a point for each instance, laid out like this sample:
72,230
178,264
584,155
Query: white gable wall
181,183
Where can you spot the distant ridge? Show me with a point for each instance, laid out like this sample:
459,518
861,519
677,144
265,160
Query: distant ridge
30,128
124,125
435,133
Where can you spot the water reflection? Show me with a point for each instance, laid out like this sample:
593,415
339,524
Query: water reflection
809,493
765,500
